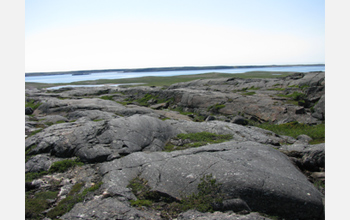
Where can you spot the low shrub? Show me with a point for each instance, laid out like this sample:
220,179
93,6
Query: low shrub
209,193
64,165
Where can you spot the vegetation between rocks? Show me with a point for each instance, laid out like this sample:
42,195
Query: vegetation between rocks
41,204
196,117
208,195
145,101
59,166
64,165
184,141
294,129
215,108
73,197
32,104
36,203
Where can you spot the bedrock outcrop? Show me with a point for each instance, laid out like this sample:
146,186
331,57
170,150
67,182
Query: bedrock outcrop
121,133
258,174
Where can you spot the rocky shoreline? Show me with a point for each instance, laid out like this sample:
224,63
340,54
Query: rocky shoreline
107,137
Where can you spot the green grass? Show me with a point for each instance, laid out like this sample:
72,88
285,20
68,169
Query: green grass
143,101
296,98
277,89
294,129
147,97
107,97
141,202
197,140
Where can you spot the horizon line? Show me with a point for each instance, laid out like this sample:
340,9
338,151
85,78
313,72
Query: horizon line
168,67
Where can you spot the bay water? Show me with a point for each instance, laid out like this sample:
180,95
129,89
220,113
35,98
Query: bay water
68,78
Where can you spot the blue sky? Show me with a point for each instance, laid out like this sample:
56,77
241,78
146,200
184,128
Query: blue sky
84,34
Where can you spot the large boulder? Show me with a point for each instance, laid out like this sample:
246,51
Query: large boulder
261,176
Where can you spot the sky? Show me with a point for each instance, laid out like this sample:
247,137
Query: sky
66,35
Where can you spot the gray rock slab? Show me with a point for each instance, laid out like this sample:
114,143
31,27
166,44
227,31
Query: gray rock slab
96,141
91,114
107,208
259,175
59,106
195,215
38,163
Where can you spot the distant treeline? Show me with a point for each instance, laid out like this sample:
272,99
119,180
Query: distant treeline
155,69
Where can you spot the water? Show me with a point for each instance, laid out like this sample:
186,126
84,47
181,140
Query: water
68,78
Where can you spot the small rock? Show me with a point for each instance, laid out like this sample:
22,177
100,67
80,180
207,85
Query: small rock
318,175
29,111
159,106
210,118
240,120
300,111
304,139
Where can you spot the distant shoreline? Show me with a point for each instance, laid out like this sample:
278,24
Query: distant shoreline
157,69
